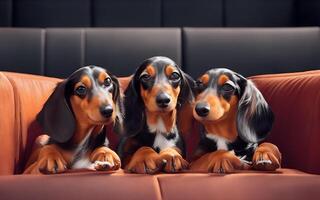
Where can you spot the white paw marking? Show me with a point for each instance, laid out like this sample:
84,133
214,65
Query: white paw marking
103,164
262,162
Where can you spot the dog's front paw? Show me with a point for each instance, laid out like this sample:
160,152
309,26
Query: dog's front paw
50,161
220,161
267,157
144,161
172,161
103,158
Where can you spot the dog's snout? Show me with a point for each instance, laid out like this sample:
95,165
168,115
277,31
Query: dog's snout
163,100
106,111
202,109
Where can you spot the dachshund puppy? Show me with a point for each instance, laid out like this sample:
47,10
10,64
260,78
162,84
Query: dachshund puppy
235,118
155,95
74,120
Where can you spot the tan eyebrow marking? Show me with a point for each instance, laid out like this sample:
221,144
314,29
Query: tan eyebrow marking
205,79
85,80
169,70
223,79
150,70
102,76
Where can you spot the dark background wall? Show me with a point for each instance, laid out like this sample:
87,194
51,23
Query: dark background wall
88,33
159,13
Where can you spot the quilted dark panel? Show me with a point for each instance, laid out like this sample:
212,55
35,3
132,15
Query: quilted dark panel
122,50
251,51
126,13
51,13
21,50
195,13
260,13
64,51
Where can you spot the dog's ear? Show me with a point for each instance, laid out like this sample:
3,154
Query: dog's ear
56,117
134,107
187,86
118,100
255,117
185,104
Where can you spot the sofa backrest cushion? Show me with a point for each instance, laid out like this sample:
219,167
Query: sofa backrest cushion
58,52
251,51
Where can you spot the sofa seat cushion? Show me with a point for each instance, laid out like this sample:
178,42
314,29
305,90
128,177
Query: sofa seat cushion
283,184
79,185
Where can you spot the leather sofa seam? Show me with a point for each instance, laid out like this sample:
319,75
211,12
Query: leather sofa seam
17,121
159,187
14,120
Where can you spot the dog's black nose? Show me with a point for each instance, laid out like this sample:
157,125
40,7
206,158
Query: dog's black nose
106,111
202,109
163,100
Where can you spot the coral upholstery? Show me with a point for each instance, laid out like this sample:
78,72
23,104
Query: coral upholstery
294,98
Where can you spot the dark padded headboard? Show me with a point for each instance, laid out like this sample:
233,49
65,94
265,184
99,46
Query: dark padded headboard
250,51
58,52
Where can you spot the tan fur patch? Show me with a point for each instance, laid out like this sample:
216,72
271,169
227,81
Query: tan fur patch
225,126
169,70
217,160
138,162
223,79
85,80
87,113
221,120
168,118
185,118
205,79
102,76
149,96
150,70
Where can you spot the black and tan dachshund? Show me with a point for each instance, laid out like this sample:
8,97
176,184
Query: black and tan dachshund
153,99
74,120
235,118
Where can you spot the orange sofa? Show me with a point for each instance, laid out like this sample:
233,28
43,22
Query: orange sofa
294,98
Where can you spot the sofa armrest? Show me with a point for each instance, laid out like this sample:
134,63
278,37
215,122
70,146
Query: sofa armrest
29,92
7,127
22,97
295,101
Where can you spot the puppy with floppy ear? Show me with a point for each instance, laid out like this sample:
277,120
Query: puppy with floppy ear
235,118
156,93
74,120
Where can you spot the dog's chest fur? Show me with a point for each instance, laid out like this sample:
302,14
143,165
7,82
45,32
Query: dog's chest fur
242,149
81,151
221,143
163,138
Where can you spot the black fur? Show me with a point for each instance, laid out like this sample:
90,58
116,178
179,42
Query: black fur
134,106
57,118
259,121
136,130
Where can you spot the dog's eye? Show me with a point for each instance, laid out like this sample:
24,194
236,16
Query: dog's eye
145,77
227,88
107,82
81,91
174,76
